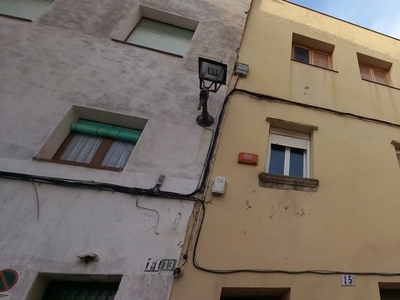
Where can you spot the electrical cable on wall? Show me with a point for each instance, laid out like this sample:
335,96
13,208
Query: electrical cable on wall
280,271
149,209
202,182
37,201
274,271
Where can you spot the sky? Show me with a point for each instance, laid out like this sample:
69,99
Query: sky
379,15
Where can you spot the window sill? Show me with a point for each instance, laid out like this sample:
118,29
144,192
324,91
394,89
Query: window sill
15,17
148,48
283,182
300,62
389,86
72,163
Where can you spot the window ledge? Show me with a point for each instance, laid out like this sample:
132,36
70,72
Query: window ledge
300,62
16,18
148,48
283,182
389,86
73,163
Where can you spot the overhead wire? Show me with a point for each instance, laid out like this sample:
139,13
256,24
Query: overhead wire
200,221
202,182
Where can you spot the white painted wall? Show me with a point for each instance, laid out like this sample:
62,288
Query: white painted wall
67,58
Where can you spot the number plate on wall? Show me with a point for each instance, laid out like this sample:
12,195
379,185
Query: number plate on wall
157,265
347,279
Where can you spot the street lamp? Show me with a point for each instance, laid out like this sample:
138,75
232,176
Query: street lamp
212,71
212,75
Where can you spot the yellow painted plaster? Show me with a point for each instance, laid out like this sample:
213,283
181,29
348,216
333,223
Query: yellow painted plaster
351,223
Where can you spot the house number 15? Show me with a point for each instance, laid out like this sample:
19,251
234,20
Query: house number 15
347,279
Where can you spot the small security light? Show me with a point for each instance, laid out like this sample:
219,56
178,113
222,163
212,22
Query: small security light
212,72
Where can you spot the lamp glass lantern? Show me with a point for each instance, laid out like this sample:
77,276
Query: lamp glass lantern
212,74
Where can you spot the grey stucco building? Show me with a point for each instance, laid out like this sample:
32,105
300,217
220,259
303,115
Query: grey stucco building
97,99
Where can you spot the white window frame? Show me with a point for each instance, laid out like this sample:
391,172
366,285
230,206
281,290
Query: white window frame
290,139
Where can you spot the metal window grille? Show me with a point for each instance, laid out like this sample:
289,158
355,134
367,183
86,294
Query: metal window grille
71,290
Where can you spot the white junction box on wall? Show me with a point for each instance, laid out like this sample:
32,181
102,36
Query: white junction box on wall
218,187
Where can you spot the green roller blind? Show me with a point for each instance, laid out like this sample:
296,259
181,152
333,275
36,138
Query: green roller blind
26,9
106,130
161,36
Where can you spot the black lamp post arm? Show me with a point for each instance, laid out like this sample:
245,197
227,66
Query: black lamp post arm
204,94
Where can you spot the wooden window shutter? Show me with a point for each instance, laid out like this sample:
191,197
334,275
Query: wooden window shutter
321,60
365,72
380,76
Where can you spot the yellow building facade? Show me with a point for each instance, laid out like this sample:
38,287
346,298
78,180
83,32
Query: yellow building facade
316,217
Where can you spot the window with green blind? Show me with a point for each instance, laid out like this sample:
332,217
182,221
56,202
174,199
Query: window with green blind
25,9
71,290
98,145
161,36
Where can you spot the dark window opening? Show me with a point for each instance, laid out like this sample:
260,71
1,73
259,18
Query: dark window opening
392,294
75,290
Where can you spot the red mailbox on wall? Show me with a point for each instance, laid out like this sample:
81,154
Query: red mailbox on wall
248,158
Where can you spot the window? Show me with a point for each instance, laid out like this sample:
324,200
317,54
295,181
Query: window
71,290
311,51
24,9
288,157
50,286
98,145
255,294
374,74
312,57
161,36
375,70
153,29
390,294
288,153
389,290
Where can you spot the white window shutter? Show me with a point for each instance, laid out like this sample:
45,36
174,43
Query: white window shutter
288,141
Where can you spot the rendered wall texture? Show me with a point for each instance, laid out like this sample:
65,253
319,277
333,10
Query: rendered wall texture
349,225
67,59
